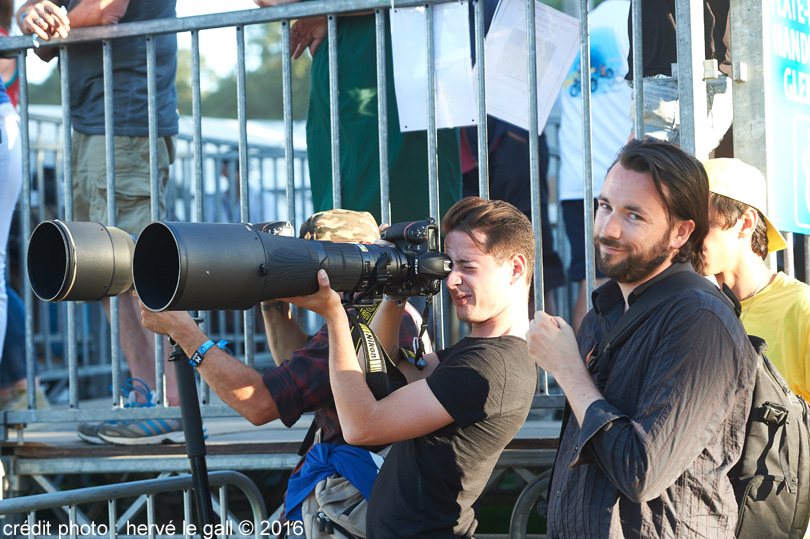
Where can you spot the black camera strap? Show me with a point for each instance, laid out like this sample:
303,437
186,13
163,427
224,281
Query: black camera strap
366,312
373,357
376,379
370,354
418,343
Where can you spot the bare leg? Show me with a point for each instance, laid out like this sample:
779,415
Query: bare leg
21,383
15,397
138,344
550,302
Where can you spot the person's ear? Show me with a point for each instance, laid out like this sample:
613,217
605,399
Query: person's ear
680,233
749,221
519,267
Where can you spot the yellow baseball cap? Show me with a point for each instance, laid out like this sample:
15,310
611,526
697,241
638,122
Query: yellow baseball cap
741,182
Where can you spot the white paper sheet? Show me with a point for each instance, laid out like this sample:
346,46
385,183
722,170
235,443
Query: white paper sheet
506,50
455,90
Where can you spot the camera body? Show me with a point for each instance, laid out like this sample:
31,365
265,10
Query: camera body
419,242
414,266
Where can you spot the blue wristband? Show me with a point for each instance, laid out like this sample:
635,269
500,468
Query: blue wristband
197,357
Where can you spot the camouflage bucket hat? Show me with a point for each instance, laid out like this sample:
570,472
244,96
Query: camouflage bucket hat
341,225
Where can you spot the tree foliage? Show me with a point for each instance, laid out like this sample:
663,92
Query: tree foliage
49,92
263,81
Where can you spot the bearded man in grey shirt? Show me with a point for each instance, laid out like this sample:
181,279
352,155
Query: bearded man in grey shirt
650,441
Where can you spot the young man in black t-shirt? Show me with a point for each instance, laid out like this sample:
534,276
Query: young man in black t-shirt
453,419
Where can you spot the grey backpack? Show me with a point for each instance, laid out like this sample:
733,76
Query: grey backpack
772,479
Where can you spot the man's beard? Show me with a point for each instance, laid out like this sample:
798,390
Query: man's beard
635,267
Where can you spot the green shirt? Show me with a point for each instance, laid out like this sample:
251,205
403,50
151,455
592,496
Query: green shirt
359,140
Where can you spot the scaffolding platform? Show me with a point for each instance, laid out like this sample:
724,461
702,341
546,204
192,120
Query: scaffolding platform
232,443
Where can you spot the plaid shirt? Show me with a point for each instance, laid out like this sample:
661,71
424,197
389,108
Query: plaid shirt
652,458
301,384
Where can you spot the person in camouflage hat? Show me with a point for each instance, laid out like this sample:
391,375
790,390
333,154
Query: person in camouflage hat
299,381
341,226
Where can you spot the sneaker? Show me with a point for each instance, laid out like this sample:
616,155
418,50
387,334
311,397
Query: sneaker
88,431
146,432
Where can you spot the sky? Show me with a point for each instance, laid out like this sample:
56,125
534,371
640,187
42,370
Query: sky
217,46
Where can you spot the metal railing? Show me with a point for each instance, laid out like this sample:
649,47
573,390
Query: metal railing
74,320
130,522
187,198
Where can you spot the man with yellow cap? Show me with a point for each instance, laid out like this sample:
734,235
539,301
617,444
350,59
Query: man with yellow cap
775,306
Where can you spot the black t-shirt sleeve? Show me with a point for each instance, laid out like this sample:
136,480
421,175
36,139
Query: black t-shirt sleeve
469,386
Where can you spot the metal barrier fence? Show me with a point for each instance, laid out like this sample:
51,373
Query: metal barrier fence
130,522
74,320
245,153
266,180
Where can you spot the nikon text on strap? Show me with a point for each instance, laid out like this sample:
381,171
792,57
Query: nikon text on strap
371,354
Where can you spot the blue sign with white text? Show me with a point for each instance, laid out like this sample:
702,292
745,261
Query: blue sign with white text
789,50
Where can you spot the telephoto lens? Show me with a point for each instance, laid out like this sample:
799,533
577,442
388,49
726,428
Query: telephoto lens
224,266
79,261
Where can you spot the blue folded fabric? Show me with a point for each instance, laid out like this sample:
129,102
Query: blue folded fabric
359,466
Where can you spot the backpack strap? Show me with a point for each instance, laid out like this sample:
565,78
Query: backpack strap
642,308
309,439
775,414
784,461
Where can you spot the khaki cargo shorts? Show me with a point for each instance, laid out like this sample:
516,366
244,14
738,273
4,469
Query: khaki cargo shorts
132,185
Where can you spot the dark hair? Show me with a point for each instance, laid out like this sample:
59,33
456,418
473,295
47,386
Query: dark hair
687,188
506,230
731,210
